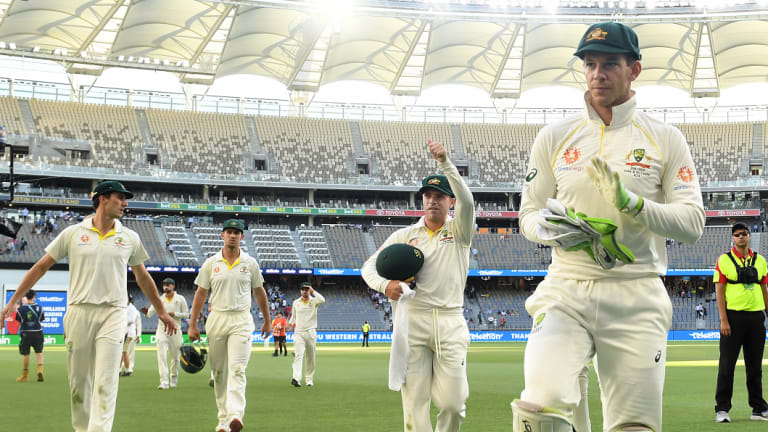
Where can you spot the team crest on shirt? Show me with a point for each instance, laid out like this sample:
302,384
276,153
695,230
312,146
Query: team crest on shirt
244,270
446,237
119,241
638,163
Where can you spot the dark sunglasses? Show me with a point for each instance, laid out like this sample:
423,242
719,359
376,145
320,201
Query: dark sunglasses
742,234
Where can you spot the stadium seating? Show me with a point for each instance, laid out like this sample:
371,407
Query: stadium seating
113,132
701,255
346,245
274,246
183,253
308,149
11,115
718,150
314,244
400,149
146,231
200,142
500,151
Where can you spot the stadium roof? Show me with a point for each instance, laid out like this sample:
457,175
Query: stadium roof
503,47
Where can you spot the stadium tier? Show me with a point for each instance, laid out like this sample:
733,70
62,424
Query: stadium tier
317,151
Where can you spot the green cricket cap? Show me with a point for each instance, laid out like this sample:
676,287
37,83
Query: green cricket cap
610,38
437,182
305,285
234,223
109,186
169,281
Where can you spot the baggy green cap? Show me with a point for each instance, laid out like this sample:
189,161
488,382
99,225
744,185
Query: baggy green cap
610,38
437,182
109,186
234,223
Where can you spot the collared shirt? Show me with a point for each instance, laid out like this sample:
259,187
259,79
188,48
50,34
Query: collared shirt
442,278
176,304
741,297
304,314
652,159
230,284
98,262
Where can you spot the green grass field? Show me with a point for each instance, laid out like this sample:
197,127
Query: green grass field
350,393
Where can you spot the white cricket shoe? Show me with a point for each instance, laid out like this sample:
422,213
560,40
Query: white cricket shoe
174,381
759,416
722,417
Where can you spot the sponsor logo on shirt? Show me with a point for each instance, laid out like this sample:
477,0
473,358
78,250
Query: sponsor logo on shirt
84,238
216,269
685,174
571,155
414,242
531,175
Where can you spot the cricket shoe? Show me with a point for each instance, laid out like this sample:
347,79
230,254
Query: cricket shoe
722,417
295,383
235,425
759,416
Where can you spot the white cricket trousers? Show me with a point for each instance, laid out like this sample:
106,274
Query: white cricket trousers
95,336
304,346
230,336
437,369
168,354
624,322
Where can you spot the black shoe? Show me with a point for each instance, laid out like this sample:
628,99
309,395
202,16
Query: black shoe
274,354
295,383
286,354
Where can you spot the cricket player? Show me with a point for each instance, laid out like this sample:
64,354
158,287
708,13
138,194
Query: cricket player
168,352
303,323
279,324
99,250
438,336
231,276
619,183
132,337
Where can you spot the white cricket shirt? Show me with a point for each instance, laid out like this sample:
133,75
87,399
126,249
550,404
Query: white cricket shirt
304,315
98,263
230,285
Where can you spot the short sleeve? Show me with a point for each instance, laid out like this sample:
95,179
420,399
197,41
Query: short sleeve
139,254
58,249
203,279
257,279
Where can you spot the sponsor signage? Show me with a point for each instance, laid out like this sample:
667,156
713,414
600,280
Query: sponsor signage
358,272
54,304
77,202
386,337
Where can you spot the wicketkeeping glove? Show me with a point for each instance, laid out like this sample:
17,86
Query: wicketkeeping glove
576,231
610,187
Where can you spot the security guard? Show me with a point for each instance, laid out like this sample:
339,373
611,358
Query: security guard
366,330
740,280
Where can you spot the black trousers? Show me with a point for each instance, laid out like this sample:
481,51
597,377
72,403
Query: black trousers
365,338
747,331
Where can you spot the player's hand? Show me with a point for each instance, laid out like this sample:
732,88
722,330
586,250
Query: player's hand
170,324
193,333
172,314
7,311
394,290
144,310
725,328
437,150
612,189
266,329
138,339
